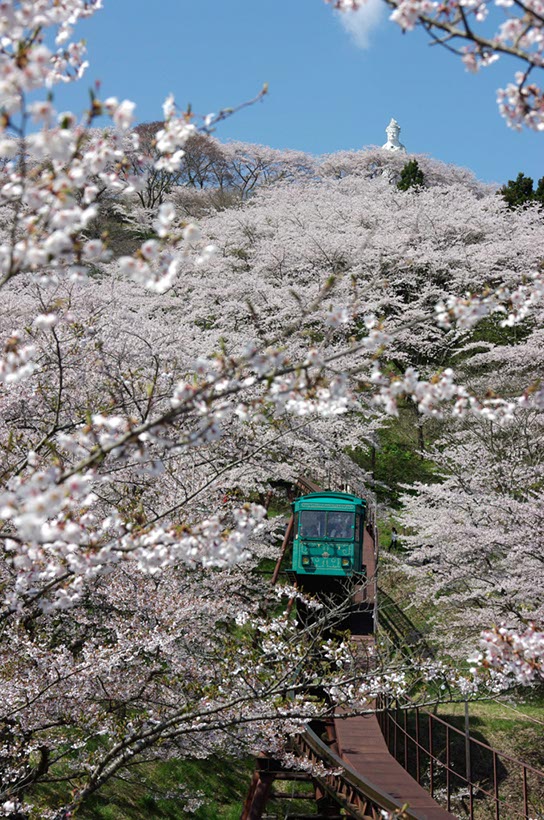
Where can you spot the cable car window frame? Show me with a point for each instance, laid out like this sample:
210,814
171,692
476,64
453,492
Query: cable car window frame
358,519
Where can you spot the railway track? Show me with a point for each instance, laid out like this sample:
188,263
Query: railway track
360,777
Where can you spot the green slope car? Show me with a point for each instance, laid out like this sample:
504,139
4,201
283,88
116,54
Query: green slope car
328,535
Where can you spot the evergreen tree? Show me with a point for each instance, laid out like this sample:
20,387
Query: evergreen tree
411,176
520,191
539,193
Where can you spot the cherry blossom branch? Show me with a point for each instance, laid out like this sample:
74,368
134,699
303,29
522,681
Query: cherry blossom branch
518,37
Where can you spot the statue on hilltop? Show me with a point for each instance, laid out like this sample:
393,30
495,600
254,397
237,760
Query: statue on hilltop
393,131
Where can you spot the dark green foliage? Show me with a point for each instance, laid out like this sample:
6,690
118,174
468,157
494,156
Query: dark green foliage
517,192
120,237
490,330
398,457
539,193
520,191
411,176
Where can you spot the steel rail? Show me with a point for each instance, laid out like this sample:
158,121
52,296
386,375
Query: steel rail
305,484
402,631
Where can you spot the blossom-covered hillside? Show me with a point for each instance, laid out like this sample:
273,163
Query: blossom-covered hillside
186,326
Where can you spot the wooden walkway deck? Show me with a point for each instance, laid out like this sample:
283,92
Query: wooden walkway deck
360,741
362,745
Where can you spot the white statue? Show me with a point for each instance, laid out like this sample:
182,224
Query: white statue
393,131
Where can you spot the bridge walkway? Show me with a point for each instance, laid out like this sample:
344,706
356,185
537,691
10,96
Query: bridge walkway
362,745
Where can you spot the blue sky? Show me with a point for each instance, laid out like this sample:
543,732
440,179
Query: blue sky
326,92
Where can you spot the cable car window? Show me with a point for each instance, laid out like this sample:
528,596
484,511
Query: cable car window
357,527
340,525
312,523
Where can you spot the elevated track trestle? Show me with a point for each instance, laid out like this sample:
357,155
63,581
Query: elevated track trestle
363,766
353,771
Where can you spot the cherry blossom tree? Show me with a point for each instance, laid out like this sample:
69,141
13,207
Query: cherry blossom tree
401,254
149,398
115,471
477,531
516,654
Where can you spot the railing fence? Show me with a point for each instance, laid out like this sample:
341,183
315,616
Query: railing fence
469,777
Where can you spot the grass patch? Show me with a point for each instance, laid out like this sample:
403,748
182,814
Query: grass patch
515,729
512,731
399,457
163,790
214,788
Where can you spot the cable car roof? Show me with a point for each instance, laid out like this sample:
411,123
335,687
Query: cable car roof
329,495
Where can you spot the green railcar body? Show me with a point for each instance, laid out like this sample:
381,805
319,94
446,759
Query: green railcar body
328,535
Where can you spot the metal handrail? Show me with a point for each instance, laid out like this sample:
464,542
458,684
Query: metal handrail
399,626
392,728
307,484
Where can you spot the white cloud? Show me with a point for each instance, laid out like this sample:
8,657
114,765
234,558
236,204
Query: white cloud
359,24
